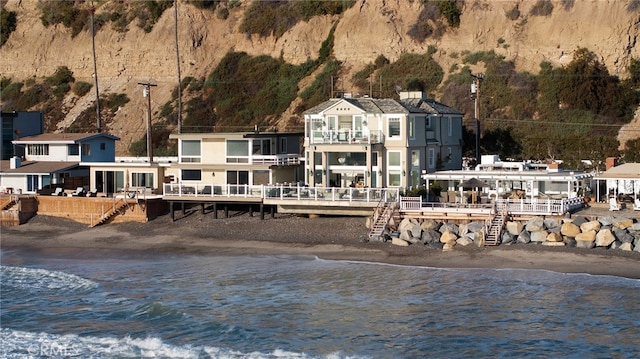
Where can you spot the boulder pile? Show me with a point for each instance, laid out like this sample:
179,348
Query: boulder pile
605,232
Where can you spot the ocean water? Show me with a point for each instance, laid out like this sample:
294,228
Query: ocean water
117,304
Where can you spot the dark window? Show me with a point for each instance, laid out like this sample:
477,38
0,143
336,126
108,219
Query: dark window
191,175
103,146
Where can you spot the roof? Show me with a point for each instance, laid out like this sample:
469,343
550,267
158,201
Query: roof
386,105
623,171
40,167
63,138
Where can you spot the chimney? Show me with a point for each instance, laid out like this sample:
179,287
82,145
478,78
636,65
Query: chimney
14,162
611,162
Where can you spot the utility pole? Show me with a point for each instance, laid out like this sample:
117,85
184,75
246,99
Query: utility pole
146,92
475,96
175,17
95,68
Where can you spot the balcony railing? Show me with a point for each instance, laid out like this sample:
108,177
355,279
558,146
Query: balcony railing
346,136
278,160
280,192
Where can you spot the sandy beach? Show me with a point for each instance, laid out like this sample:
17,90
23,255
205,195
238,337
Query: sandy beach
338,238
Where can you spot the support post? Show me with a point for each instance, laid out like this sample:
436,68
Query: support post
173,217
261,211
215,210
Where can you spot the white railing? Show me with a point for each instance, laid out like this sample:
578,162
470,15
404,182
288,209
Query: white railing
281,192
514,206
278,160
346,136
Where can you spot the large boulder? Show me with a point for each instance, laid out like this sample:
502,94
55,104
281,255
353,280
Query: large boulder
590,226
606,221
514,227
585,244
448,237
475,226
604,238
431,236
449,227
410,224
636,226
626,246
578,221
448,246
623,236
589,236
539,236
464,241
622,223
551,225
508,238
554,237
535,224
429,224
524,237
399,242
569,229
553,244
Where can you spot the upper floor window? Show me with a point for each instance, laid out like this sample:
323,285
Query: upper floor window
142,179
432,158
427,122
450,122
283,145
261,146
39,149
394,127
393,158
86,149
412,125
190,151
73,150
237,151
191,175
103,146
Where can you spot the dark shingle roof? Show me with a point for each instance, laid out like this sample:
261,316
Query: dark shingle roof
37,167
386,105
63,137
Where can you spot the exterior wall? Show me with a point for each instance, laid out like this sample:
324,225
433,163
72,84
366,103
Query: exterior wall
108,154
27,123
128,171
16,182
89,210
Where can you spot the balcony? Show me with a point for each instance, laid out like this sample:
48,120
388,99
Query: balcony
346,136
290,159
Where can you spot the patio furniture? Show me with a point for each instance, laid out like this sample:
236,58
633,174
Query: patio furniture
613,204
58,192
636,204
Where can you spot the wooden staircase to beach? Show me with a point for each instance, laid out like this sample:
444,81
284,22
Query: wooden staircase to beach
8,203
495,230
381,216
117,207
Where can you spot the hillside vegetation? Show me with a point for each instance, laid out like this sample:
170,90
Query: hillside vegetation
552,88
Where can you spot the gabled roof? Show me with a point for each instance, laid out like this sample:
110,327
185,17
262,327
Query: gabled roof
63,138
386,105
431,106
623,171
36,167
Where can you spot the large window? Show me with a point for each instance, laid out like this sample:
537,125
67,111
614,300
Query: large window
237,151
393,158
191,175
73,150
39,149
142,180
86,149
190,151
432,158
283,145
394,127
261,146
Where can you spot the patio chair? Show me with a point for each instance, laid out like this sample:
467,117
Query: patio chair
58,192
613,204
92,193
78,192
636,204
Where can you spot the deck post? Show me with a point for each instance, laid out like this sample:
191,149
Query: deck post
226,211
261,211
273,214
250,210
202,207
215,210
173,217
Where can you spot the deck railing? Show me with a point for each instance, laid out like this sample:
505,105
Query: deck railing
346,136
281,192
513,206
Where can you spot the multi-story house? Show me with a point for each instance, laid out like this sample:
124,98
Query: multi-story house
55,159
233,161
15,125
380,142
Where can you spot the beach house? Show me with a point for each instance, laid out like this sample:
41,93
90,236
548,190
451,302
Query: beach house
369,142
233,162
55,160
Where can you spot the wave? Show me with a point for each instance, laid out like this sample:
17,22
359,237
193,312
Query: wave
18,344
35,279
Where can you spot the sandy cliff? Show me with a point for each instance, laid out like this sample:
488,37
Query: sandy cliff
370,28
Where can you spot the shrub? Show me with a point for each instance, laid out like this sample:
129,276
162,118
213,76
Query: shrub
8,23
62,76
81,88
542,8
513,14
450,11
11,91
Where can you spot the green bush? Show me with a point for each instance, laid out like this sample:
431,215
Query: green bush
513,14
62,76
542,8
449,9
8,23
81,88
11,91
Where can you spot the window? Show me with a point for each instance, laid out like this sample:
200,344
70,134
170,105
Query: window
427,122
415,159
393,158
86,149
103,146
73,150
32,183
39,149
142,180
191,175
394,178
450,122
237,151
432,158
394,127
190,151
283,145
412,125
261,147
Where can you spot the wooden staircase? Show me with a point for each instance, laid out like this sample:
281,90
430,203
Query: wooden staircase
495,230
117,207
9,203
381,216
